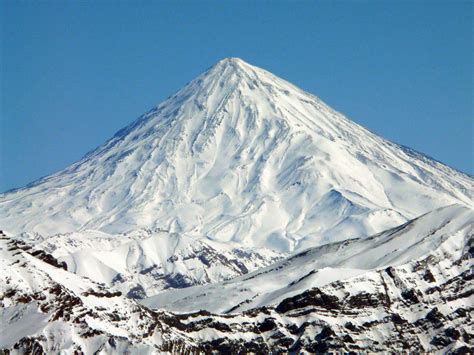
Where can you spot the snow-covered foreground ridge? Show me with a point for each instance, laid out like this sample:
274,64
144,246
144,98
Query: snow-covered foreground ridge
415,297
239,155
319,266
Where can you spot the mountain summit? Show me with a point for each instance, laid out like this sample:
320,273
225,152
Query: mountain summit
239,155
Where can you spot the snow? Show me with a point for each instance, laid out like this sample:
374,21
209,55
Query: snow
320,266
19,321
239,155
437,242
147,258
251,190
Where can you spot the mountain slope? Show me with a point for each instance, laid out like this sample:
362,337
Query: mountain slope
145,262
46,309
423,305
444,232
243,156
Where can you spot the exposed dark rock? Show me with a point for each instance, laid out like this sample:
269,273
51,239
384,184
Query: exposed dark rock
463,350
49,259
452,333
148,270
136,292
313,297
118,279
435,317
325,333
428,276
266,325
91,333
350,326
364,299
177,281
397,319
411,295
29,346
102,293
440,341
390,272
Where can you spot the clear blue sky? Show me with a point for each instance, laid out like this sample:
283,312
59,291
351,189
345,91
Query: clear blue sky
73,73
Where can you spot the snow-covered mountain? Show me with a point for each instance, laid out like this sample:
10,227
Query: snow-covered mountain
447,229
239,155
297,228
144,262
416,296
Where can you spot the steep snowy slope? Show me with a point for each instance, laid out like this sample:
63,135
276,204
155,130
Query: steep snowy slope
446,230
146,262
239,155
45,309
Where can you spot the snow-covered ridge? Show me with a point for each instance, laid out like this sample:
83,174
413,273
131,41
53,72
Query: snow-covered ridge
145,262
239,155
421,302
450,227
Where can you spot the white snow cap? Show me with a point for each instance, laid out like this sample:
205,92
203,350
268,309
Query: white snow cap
233,61
239,156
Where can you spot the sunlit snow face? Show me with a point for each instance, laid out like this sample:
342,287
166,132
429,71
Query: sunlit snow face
239,155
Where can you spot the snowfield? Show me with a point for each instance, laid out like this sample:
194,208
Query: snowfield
417,296
241,214
243,156
323,265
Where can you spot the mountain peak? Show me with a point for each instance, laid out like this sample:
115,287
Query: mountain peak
233,65
239,155
232,61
